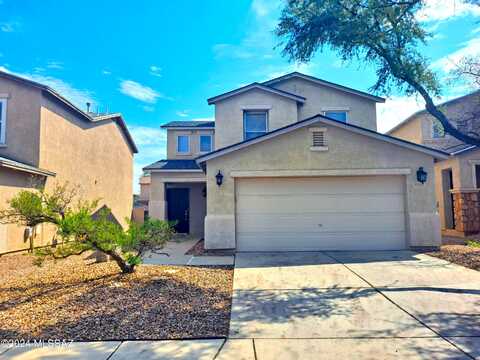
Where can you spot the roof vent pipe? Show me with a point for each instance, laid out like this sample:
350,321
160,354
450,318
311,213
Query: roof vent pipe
88,107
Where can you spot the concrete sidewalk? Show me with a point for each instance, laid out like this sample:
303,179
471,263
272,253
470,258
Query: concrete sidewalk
140,350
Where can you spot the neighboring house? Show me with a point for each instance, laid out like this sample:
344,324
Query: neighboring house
46,140
295,163
457,179
140,204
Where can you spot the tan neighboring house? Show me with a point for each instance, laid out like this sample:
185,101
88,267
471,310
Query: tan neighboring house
457,179
296,163
46,140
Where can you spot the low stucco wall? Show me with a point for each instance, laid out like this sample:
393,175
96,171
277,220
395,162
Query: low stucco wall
346,150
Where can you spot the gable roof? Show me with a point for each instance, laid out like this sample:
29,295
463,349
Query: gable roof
259,86
189,124
21,166
424,111
117,117
173,165
324,83
320,118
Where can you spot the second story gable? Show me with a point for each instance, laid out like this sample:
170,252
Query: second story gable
258,108
422,128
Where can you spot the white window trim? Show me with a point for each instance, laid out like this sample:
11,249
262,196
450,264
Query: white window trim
200,143
188,144
3,115
318,129
253,110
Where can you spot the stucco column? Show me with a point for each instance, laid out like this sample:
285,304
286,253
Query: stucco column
157,205
466,210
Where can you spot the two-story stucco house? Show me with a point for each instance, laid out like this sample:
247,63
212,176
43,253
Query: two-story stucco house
46,140
295,163
457,180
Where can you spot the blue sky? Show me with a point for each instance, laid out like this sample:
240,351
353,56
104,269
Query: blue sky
158,61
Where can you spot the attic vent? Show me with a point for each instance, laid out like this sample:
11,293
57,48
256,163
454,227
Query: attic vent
319,139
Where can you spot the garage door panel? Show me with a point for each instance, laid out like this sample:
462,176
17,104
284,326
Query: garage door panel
309,203
310,241
322,222
329,213
338,185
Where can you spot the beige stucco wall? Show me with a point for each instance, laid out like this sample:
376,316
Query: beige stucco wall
282,111
194,136
94,157
346,150
319,98
412,131
23,121
11,235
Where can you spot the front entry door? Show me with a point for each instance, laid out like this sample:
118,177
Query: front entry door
178,209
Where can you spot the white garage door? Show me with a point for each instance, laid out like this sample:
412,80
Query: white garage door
328,213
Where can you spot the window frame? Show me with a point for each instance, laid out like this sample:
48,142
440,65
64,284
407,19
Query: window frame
188,145
434,124
3,121
200,143
245,112
337,111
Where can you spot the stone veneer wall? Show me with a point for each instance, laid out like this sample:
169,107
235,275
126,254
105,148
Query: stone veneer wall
466,211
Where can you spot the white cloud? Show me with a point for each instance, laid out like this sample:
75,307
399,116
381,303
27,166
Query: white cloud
155,71
55,65
140,92
79,97
395,110
148,108
435,10
144,135
152,146
106,72
204,119
448,63
9,26
182,113
262,8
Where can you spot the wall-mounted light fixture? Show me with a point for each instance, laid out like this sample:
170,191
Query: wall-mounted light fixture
421,175
219,178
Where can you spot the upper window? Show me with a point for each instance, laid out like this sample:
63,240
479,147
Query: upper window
337,115
205,143
254,124
3,120
183,144
437,129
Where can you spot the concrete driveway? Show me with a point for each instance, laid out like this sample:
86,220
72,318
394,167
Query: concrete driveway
395,304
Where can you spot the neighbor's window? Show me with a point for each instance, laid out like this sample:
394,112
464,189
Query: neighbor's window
337,115
183,144
437,129
3,120
254,124
205,143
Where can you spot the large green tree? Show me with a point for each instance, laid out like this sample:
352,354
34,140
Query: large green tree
383,33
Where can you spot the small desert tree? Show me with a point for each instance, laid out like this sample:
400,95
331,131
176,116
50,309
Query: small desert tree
80,231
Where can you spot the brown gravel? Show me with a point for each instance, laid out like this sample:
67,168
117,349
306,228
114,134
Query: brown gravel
199,250
467,256
73,300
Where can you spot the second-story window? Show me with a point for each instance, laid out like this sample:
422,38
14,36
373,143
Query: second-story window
337,115
183,144
255,123
3,120
437,129
205,143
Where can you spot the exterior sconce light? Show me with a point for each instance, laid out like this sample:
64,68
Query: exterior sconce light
421,175
219,178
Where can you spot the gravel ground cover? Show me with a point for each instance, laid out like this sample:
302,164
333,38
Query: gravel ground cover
199,250
73,299
465,255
